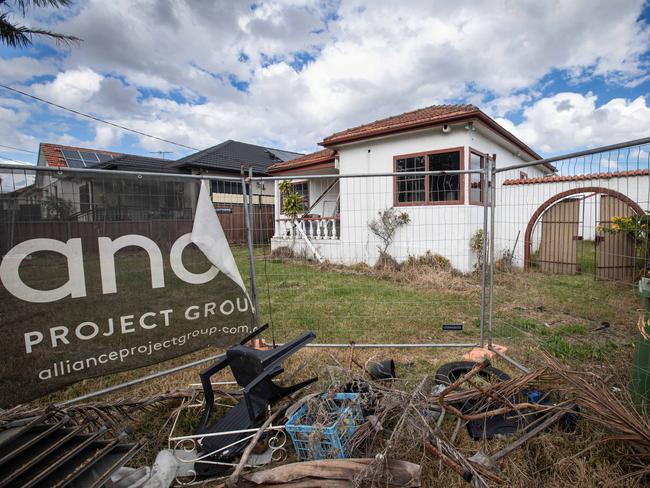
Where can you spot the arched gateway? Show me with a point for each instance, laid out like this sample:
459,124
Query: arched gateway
574,220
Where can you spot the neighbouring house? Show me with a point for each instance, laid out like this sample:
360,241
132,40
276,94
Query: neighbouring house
157,197
87,200
227,159
445,210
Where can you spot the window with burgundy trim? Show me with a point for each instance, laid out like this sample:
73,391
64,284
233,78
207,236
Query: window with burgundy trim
428,189
476,161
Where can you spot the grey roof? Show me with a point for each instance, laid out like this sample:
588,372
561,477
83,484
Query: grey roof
133,162
230,155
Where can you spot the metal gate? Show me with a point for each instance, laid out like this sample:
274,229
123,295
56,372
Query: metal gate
558,243
615,253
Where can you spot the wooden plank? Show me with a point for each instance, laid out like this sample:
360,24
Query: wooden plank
558,247
615,253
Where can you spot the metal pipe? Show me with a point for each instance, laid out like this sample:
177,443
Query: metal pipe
493,187
368,175
517,365
91,171
577,154
136,381
248,217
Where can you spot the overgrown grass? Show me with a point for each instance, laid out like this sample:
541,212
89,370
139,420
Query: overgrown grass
563,314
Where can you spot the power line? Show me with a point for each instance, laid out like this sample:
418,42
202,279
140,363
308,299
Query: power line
13,160
18,149
97,119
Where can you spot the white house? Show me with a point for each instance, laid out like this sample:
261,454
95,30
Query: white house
446,210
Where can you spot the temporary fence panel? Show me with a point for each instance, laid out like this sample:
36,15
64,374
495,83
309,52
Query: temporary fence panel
378,259
584,221
104,272
409,258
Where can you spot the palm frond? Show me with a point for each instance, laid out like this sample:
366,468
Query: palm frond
15,35
24,5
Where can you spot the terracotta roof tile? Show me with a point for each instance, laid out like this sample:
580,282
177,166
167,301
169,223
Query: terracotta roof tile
54,156
422,116
426,117
318,157
581,177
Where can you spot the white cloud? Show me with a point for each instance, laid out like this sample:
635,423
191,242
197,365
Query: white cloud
371,60
24,68
568,120
71,88
13,117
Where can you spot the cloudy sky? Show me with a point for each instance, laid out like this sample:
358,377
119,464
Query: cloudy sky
561,75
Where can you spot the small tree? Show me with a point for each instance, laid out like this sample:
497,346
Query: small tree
476,245
635,226
292,204
385,226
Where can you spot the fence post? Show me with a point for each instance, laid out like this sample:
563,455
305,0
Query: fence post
249,232
493,194
484,245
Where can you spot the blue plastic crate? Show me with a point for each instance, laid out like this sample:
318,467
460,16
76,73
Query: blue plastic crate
332,441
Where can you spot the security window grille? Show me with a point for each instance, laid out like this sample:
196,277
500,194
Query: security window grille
431,189
476,162
410,189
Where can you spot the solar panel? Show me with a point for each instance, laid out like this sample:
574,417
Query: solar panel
71,154
89,157
84,159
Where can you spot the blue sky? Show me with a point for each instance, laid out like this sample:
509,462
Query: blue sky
289,73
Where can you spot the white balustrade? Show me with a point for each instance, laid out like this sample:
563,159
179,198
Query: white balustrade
314,228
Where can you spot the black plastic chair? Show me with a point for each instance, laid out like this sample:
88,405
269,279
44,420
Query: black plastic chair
254,371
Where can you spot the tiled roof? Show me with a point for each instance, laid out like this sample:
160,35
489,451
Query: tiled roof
132,162
423,116
54,156
230,155
581,177
319,157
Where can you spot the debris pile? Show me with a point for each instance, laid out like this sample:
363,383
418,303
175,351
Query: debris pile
361,426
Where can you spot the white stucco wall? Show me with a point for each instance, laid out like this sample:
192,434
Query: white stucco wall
446,229
443,229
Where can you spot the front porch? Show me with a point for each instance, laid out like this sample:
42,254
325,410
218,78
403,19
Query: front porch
312,237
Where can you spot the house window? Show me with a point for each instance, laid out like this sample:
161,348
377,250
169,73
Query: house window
302,189
410,188
429,189
523,175
224,186
476,161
